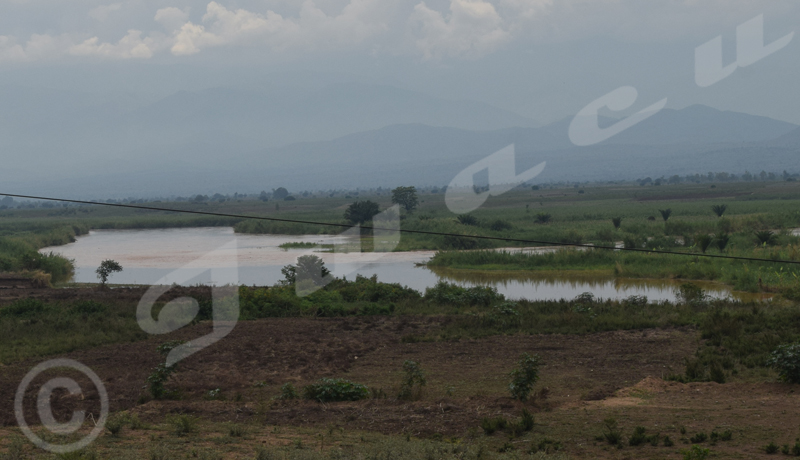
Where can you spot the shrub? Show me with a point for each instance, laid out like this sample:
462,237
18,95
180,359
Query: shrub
25,308
505,316
703,241
413,381
698,438
638,437
524,377
719,209
182,424
695,453
617,221
786,360
114,424
692,294
490,425
500,225
158,378
612,434
771,448
287,392
327,390
88,307
448,293
543,218
467,219
766,238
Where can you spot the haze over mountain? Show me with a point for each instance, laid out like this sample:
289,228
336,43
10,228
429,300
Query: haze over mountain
193,142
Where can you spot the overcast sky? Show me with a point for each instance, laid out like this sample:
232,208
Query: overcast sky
545,59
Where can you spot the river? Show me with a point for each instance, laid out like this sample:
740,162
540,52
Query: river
218,255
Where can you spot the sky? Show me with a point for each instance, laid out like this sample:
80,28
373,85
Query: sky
543,59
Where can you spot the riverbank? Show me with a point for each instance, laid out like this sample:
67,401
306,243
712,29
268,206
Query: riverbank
741,276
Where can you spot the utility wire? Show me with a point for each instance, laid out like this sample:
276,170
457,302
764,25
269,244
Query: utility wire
418,232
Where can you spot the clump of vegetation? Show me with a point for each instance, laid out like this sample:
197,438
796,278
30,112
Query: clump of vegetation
361,212
490,425
640,437
611,432
467,219
617,221
405,197
543,218
328,390
287,392
719,209
413,381
500,225
158,378
786,360
524,377
308,267
696,453
448,293
182,424
771,448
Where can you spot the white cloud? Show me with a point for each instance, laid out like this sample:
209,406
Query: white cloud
171,18
312,29
131,46
472,29
102,12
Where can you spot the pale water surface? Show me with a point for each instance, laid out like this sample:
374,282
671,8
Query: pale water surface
218,255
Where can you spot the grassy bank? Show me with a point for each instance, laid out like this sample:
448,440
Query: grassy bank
740,334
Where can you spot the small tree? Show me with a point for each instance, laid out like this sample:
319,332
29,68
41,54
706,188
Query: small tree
703,241
405,197
524,377
280,193
106,268
617,221
361,211
413,381
665,213
309,267
719,209
722,241
765,237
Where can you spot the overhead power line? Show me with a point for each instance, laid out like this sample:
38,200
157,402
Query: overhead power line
418,232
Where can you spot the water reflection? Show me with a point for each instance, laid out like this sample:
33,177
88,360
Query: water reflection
148,255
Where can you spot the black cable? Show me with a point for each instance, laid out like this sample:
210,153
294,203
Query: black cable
419,232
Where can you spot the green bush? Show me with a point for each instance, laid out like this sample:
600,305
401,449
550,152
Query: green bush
524,377
182,424
786,359
25,308
695,453
327,390
287,392
88,307
158,379
413,381
447,293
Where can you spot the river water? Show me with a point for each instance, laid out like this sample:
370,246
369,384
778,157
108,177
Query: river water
217,255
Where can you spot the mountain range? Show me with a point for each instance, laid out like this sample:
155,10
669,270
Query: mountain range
341,135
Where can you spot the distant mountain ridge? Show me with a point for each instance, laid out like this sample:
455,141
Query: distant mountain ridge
354,135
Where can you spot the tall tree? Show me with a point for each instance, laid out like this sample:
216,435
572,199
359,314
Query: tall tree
280,193
361,211
405,197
